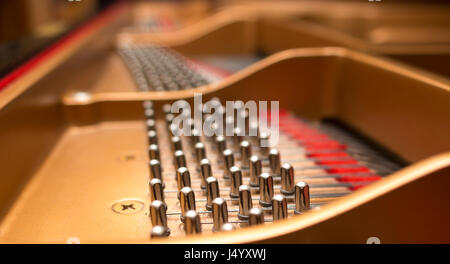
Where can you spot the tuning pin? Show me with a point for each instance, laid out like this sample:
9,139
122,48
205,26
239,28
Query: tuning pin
302,202
155,169
167,109
169,119
228,159
183,178
212,192
256,216
153,152
255,170
245,202
227,227
159,231
236,181
287,179
190,123
158,215
238,109
147,104
237,137
192,223
265,189
206,171
195,136
152,137
149,113
220,213
253,130
279,207
229,125
246,153
156,190
263,136
187,200
180,159
216,129
274,161
221,145
244,115
215,101
200,151
176,143
151,124
174,131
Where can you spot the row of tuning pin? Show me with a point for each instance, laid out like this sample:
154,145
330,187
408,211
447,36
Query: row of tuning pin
160,69
217,205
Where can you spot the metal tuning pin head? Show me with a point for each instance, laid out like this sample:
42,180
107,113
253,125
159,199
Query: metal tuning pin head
221,145
176,143
156,190
246,153
158,215
256,216
200,151
245,202
263,137
274,161
187,200
287,179
220,213
255,170
229,124
236,181
195,136
216,130
302,198
174,130
279,207
265,189
147,104
244,115
253,131
206,172
192,223
227,227
167,108
159,231
180,159
212,192
237,137
149,113
151,124
228,159
169,119
155,169
183,178
153,152
152,137
190,123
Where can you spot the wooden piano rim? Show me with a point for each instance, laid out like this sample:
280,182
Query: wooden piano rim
240,15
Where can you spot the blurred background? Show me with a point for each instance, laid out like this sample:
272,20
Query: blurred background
28,26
